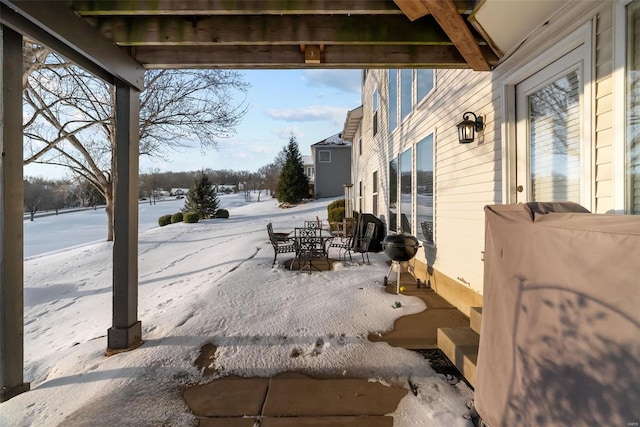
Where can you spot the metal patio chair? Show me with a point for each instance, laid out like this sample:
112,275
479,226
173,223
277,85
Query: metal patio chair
281,243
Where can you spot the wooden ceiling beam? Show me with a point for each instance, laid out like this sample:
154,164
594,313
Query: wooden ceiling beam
238,7
273,57
270,30
448,17
414,9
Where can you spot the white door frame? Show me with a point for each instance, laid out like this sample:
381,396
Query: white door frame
533,63
619,106
571,61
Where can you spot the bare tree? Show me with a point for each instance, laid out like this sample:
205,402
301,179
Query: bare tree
269,174
69,116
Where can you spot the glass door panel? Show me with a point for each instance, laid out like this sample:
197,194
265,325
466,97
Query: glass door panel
549,134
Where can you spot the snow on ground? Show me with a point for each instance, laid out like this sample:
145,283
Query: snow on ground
210,282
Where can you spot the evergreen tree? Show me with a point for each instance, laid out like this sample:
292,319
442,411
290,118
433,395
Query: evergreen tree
201,198
293,184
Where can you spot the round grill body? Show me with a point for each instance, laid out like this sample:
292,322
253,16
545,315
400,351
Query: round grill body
400,247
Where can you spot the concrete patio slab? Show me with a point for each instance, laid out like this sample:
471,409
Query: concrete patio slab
292,394
226,422
293,399
227,397
420,331
328,422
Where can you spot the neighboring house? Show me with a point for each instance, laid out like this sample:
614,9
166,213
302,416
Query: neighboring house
560,112
332,165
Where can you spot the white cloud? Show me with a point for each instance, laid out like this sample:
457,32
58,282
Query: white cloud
312,113
283,133
344,80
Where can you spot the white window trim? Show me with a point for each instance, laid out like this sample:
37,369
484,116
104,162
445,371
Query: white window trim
619,101
530,65
320,157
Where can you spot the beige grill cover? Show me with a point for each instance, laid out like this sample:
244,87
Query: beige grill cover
560,342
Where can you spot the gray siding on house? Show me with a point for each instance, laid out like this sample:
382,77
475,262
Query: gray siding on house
332,175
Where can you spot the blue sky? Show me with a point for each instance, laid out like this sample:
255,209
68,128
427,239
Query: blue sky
310,103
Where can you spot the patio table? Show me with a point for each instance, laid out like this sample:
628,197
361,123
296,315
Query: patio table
311,244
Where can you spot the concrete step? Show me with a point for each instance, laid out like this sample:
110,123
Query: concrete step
460,345
475,317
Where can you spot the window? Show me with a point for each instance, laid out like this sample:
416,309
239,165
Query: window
632,107
360,146
554,135
310,172
360,196
393,100
424,189
324,156
425,83
374,102
405,191
374,186
406,93
393,194
415,85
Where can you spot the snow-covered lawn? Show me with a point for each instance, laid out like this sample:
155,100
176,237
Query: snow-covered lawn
210,282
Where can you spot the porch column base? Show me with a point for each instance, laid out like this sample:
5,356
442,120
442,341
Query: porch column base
13,392
124,339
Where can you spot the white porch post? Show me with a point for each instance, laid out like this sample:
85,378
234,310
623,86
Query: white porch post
11,208
126,330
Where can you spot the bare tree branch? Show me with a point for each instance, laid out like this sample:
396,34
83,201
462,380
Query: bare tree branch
69,115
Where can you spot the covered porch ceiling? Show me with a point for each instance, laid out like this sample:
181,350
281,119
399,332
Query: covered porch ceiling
278,34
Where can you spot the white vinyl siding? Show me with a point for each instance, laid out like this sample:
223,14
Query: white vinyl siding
632,148
467,177
603,110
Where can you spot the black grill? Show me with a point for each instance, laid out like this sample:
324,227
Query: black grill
400,247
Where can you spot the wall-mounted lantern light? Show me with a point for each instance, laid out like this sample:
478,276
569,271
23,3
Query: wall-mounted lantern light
467,128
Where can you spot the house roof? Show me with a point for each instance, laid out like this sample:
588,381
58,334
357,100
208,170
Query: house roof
333,141
351,123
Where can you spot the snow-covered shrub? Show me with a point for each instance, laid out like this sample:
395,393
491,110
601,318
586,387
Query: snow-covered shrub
222,213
